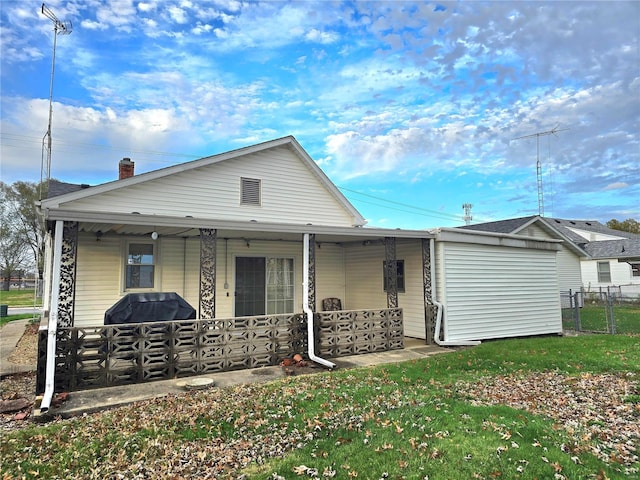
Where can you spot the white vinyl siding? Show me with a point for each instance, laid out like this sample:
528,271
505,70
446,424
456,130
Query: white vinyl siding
290,193
494,292
98,278
100,265
364,282
330,273
364,277
569,272
412,299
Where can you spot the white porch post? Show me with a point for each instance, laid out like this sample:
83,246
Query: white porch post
53,318
46,274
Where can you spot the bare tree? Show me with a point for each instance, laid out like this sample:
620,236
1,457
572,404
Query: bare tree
22,228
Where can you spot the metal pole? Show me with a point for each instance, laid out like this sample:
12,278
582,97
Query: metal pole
611,316
53,66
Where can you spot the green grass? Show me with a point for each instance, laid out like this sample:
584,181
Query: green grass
593,317
22,316
407,420
19,298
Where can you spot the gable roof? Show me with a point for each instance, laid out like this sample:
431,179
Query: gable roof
626,246
289,142
517,225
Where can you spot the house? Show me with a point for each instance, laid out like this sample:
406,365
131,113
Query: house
274,261
593,255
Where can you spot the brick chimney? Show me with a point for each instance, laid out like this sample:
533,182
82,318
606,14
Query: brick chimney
125,168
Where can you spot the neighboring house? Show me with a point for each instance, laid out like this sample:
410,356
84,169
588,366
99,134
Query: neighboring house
605,257
275,261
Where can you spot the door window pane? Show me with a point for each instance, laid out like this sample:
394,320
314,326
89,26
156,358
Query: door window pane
280,286
250,279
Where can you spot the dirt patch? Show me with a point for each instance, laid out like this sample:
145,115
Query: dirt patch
26,352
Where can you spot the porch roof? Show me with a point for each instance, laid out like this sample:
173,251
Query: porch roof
102,223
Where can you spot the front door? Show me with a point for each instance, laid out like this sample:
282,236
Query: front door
250,286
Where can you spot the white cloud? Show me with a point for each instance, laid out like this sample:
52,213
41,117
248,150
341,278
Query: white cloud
318,36
616,186
178,15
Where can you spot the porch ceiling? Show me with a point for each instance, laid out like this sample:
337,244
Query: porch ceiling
255,231
134,223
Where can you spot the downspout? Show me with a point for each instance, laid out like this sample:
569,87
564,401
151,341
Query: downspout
53,320
436,337
307,310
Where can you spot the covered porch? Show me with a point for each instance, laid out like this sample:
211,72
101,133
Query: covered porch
90,267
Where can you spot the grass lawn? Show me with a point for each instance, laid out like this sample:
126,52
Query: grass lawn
593,317
19,298
11,318
441,417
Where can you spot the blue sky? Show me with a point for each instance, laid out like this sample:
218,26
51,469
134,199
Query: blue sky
411,108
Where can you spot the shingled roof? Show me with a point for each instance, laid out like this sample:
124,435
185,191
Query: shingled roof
627,249
57,188
501,226
624,248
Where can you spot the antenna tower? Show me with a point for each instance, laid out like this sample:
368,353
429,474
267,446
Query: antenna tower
59,28
553,131
467,213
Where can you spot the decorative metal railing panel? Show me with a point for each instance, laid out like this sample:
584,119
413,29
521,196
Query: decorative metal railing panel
92,357
353,332
102,356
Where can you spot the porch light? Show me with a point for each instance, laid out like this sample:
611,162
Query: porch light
154,235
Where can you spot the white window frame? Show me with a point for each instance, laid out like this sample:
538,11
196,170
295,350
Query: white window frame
604,275
155,264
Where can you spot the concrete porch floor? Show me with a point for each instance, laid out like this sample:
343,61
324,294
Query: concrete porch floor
88,401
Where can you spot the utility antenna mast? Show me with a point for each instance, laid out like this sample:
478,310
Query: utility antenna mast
553,131
467,213
59,28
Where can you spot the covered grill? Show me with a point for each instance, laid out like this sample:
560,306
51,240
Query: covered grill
149,307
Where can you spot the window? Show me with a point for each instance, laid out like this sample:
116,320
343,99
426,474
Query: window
249,191
635,269
140,268
280,285
604,272
399,275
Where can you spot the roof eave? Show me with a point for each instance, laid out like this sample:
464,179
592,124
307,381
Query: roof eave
193,222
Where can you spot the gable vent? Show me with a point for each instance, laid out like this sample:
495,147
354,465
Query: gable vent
249,191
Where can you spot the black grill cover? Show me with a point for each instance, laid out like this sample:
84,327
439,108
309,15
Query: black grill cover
149,307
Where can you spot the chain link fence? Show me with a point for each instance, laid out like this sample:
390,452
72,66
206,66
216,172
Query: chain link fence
614,310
